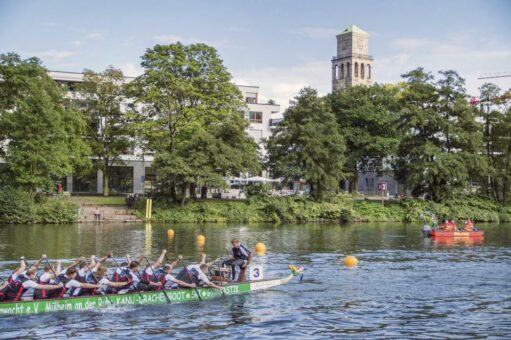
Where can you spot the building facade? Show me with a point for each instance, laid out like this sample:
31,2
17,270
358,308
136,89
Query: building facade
352,65
133,172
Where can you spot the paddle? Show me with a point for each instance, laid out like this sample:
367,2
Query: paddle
97,282
154,276
126,273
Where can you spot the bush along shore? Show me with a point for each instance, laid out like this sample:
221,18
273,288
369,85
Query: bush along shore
338,208
19,207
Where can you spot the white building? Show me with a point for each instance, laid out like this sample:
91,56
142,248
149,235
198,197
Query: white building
133,172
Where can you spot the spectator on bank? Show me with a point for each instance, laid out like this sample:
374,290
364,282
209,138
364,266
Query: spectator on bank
97,214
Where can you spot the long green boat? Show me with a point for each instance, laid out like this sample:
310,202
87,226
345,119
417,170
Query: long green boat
73,304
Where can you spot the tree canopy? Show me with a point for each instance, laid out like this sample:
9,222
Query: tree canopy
441,138
307,144
40,132
190,114
366,117
108,129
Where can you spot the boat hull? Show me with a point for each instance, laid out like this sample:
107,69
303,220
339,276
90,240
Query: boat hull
143,298
457,234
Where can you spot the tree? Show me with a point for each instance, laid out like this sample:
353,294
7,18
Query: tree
441,142
108,132
190,115
366,116
496,117
502,161
40,133
307,144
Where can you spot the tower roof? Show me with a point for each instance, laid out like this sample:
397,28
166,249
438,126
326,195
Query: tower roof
353,29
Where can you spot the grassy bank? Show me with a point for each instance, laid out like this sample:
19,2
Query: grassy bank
17,207
337,208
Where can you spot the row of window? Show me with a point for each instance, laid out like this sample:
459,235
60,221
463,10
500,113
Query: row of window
340,74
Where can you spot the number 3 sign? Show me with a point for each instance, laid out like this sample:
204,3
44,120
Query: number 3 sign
256,273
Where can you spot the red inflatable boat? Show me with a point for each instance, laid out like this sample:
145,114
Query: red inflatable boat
457,234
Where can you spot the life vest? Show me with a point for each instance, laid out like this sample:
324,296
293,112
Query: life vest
240,253
65,279
469,226
41,293
15,290
122,276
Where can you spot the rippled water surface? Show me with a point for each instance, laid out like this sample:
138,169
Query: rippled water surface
404,287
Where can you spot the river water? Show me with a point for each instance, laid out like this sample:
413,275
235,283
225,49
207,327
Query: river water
404,287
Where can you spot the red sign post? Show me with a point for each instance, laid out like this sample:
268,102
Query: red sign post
382,187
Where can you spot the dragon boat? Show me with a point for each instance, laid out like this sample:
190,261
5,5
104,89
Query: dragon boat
172,296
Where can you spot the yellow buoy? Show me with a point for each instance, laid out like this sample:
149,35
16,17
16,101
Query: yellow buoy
201,239
260,247
350,261
170,233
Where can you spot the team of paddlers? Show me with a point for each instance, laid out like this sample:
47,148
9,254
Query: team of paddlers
81,278
450,225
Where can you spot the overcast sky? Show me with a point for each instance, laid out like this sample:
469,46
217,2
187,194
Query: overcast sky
280,46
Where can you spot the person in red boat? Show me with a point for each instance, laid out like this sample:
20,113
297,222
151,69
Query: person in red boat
469,225
449,225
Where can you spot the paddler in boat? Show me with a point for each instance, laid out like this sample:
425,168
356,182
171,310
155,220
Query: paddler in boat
170,282
468,225
239,256
150,271
197,273
15,291
139,282
48,278
72,286
22,269
108,286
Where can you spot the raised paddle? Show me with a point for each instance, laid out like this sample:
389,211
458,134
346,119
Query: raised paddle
155,277
97,282
125,272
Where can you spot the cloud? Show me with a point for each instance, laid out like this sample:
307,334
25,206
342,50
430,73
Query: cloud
99,35
131,69
283,84
316,32
469,55
76,43
54,56
172,39
169,38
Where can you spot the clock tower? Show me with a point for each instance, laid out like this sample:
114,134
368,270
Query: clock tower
353,65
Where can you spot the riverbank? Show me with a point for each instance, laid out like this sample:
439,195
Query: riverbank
17,207
341,208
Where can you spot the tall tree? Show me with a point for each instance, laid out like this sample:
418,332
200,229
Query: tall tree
366,116
108,132
189,113
441,139
307,144
40,133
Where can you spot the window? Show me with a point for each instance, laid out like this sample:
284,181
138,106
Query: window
368,71
342,71
250,100
336,72
255,117
362,71
356,69
348,70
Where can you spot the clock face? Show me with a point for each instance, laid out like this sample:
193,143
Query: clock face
360,44
344,45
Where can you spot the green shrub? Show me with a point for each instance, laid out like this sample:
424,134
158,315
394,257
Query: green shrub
17,206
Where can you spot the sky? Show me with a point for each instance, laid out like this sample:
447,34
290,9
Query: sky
280,46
